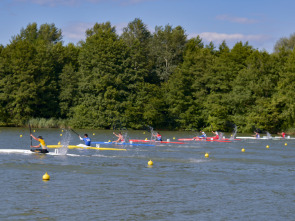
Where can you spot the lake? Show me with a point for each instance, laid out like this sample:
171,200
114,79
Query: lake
182,184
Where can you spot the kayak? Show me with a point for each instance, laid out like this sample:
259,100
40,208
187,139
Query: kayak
153,141
123,143
19,151
267,138
213,138
85,147
208,139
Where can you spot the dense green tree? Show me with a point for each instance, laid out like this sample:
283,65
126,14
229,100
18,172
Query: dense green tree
18,90
167,47
285,44
145,105
47,32
29,78
104,82
138,79
255,83
187,86
68,80
137,38
284,99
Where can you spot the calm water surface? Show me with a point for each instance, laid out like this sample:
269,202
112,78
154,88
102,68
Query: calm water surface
118,185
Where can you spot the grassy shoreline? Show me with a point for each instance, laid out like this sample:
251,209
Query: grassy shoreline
66,123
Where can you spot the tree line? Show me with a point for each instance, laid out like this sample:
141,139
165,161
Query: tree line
139,78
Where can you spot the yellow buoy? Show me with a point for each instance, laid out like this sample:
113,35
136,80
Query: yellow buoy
20,135
61,135
173,138
286,144
267,146
62,130
109,141
150,163
46,176
34,131
93,134
58,143
243,149
143,132
145,138
206,155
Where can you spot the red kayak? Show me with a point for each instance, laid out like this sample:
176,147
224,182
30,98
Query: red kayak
143,141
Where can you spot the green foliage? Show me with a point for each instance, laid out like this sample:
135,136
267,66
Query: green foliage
284,98
48,123
141,78
285,44
105,80
167,48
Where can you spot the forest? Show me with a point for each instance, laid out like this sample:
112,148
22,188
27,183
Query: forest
139,78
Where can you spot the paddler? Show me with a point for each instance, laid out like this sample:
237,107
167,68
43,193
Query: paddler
216,135
120,138
203,136
256,135
158,136
86,139
42,144
283,134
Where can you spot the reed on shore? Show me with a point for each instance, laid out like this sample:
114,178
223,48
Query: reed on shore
48,123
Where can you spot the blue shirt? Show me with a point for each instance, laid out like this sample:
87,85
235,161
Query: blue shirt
203,135
87,141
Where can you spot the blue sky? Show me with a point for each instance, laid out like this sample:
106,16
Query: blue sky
260,22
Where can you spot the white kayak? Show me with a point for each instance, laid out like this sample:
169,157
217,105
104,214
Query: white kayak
22,151
18,151
267,138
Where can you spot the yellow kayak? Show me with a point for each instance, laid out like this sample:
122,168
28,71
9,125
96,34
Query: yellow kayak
85,147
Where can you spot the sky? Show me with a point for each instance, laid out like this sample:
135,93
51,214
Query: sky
261,23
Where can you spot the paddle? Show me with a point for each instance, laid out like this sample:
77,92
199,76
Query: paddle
75,132
149,129
30,133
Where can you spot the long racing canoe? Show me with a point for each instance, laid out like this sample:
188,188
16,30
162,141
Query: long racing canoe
85,147
122,143
153,141
208,139
267,138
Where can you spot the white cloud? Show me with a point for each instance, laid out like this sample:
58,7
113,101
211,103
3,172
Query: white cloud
120,27
76,31
213,36
233,19
230,39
